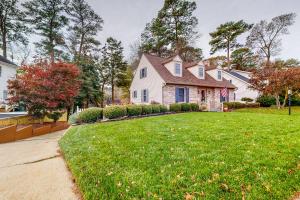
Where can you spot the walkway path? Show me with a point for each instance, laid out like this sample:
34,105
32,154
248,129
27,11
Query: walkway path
33,169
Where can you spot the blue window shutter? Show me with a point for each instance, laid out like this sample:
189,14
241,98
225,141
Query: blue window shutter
187,94
145,72
147,95
140,73
142,99
176,95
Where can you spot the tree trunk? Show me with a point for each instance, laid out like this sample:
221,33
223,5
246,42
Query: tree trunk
112,93
277,101
285,98
81,45
102,98
4,44
228,55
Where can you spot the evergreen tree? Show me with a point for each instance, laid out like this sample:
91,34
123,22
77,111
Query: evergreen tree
12,26
112,60
244,59
173,30
48,20
85,26
225,37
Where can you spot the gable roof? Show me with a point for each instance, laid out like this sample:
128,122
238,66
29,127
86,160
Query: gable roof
5,60
237,75
187,77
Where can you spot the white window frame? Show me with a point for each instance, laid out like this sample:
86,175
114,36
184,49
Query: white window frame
219,75
143,75
201,68
180,70
143,95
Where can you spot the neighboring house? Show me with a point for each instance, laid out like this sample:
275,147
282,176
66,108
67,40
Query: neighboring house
170,80
241,80
8,70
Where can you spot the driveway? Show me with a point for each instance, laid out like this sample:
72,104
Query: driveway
33,169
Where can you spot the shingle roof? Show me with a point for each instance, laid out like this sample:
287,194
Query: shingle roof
3,59
187,77
238,76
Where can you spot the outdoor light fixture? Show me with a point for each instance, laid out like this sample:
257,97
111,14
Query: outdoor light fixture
290,94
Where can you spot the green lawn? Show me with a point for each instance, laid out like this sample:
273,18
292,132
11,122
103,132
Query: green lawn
201,155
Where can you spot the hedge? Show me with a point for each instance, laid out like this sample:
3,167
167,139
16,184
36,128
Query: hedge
185,107
237,105
89,115
134,110
113,112
146,109
194,107
155,108
163,109
266,101
175,107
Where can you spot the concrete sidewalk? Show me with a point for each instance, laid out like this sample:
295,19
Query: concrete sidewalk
33,169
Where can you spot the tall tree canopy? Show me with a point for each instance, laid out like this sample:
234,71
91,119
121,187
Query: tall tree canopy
113,61
173,30
48,20
84,28
12,26
244,59
265,36
225,37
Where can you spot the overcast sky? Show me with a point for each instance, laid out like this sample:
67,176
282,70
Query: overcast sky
126,19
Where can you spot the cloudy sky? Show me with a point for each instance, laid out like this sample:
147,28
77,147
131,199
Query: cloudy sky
126,19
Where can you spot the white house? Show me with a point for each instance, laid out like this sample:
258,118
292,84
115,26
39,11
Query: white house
8,70
241,80
170,80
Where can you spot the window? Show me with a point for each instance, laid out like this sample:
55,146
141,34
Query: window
219,75
145,95
181,95
203,99
230,81
4,94
177,69
134,94
143,72
201,72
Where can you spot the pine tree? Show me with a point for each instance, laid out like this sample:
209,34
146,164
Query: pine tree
173,31
84,28
48,20
225,37
12,26
113,61
244,59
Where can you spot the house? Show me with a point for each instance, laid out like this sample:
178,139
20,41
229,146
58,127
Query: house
241,80
170,80
8,70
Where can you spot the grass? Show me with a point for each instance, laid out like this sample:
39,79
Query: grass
188,156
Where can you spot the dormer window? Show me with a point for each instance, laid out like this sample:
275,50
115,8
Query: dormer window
178,69
219,75
201,72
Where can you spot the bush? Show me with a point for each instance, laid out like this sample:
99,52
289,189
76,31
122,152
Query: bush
247,99
163,109
185,107
73,119
238,105
266,101
194,107
155,108
175,107
146,109
113,112
90,115
134,110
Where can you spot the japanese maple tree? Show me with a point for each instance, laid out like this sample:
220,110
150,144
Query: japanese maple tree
46,89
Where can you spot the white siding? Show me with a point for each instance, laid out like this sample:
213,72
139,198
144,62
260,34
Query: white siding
153,82
214,73
195,70
7,72
243,89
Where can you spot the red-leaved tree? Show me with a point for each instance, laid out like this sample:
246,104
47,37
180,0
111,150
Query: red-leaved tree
46,89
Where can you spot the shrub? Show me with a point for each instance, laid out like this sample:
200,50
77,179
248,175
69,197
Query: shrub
163,108
175,107
146,109
194,107
90,115
238,105
113,112
73,119
266,101
185,107
247,99
134,110
155,108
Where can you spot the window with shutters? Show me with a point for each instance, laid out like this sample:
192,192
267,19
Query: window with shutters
134,94
143,72
181,95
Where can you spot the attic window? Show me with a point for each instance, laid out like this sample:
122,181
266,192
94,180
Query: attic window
201,72
177,69
219,75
